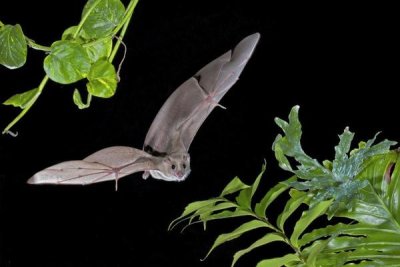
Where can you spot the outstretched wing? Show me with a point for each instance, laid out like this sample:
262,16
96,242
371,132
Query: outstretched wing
110,163
185,110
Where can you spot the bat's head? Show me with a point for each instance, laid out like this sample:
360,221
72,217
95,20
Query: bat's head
174,167
177,166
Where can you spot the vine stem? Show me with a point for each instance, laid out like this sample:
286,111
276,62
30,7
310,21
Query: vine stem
32,44
125,24
83,20
28,106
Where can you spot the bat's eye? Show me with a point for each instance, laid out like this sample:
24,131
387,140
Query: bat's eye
173,166
184,166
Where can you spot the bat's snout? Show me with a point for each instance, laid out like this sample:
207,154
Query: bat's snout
181,175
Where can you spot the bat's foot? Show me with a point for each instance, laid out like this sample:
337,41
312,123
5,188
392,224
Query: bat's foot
146,175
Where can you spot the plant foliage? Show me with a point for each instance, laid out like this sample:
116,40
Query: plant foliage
360,188
85,51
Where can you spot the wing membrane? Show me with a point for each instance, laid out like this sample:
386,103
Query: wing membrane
185,110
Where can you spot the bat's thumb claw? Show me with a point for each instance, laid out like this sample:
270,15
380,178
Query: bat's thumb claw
221,106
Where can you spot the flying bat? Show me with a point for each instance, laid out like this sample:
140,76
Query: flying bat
165,153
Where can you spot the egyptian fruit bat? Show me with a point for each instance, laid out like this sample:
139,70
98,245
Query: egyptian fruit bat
165,152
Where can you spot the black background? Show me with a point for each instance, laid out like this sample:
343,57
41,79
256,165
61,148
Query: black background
336,62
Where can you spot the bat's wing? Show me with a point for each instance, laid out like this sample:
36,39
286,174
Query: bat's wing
110,163
185,110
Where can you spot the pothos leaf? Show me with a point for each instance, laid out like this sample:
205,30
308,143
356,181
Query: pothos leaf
78,100
69,33
22,99
101,17
100,49
13,47
68,62
95,49
102,79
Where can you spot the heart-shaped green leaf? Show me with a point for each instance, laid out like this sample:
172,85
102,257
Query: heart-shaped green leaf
13,48
98,49
102,79
101,17
67,63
